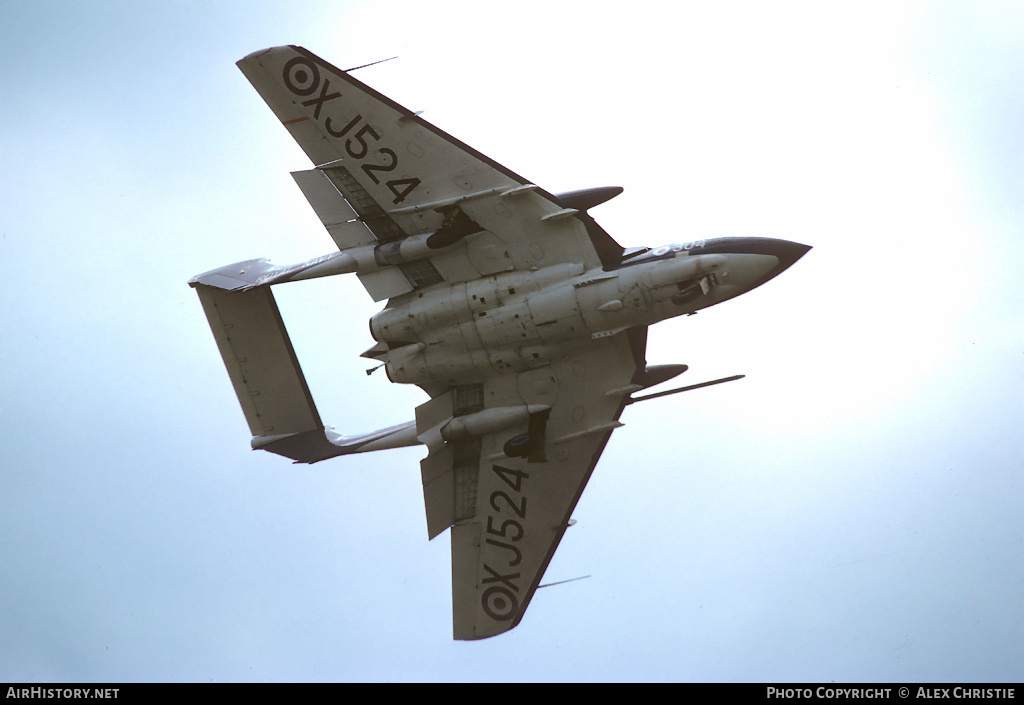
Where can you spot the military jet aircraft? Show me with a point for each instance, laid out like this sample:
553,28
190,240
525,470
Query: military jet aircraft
520,317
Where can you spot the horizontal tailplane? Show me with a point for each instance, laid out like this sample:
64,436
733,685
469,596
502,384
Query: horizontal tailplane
265,373
269,383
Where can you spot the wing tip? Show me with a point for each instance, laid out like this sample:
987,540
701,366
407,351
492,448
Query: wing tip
256,55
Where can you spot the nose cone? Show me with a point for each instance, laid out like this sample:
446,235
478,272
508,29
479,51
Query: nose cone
784,251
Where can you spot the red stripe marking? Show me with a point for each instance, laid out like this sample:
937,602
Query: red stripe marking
292,122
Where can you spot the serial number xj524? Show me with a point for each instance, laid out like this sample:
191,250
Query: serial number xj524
520,317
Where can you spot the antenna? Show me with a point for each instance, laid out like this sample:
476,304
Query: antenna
560,582
372,63
684,389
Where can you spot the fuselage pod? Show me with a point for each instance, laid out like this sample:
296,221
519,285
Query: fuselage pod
517,321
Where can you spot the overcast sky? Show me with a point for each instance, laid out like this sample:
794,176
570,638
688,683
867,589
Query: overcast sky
850,511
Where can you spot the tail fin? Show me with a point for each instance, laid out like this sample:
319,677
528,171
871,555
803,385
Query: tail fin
265,373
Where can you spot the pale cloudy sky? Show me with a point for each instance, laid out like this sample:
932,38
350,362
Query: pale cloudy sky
850,511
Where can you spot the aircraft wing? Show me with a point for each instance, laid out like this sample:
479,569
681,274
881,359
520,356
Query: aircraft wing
384,174
508,514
